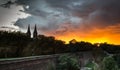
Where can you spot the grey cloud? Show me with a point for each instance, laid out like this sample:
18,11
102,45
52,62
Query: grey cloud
6,27
52,14
101,11
97,12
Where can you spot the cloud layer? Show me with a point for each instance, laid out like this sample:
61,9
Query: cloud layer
80,18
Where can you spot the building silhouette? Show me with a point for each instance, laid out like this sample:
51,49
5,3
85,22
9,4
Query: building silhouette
35,32
28,33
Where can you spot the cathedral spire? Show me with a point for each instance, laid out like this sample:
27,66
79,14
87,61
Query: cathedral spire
28,31
35,32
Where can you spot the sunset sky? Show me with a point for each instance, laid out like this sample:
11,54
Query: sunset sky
83,20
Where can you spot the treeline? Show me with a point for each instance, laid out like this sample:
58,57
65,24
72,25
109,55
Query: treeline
17,44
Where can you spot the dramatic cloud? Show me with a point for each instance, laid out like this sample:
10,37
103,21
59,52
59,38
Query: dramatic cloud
79,19
9,16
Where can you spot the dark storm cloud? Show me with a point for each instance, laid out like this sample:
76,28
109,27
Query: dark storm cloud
107,12
52,14
6,27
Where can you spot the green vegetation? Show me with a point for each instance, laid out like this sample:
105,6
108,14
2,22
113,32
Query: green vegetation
90,64
67,62
117,59
70,62
17,44
109,64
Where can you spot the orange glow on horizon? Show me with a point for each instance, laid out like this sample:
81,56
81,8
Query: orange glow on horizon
109,35
97,40
91,40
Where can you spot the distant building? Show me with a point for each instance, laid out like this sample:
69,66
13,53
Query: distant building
28,31
73,41
34,32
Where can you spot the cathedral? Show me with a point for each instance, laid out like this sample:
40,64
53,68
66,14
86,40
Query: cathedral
34,32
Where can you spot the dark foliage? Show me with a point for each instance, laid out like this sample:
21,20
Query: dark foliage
17,44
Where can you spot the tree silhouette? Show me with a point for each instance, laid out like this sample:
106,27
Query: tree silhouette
17,44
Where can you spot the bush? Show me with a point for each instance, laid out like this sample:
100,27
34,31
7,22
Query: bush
67,62
109,64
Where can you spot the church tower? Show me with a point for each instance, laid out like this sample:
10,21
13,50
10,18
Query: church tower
28,31
35,32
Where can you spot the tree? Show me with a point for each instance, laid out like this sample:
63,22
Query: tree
92,65
117,59
67,62
109,63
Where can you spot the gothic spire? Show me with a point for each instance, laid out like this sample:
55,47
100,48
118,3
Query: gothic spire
35,32
28,31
